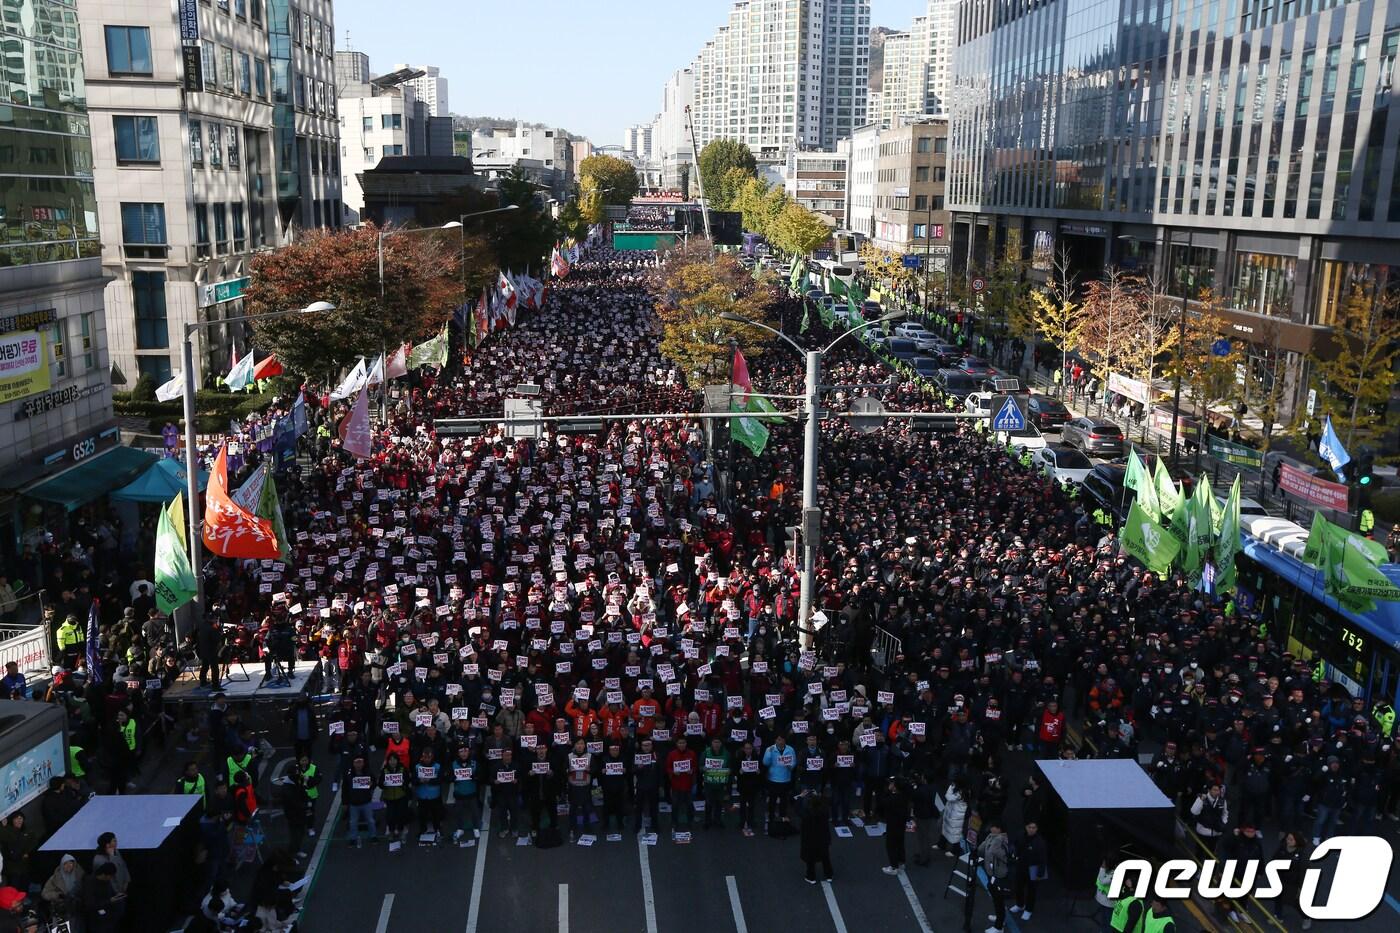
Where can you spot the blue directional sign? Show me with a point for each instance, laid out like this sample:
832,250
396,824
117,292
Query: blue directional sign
911,261
1221,347
1009,417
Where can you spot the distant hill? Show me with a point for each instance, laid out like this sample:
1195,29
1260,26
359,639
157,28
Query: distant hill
464,124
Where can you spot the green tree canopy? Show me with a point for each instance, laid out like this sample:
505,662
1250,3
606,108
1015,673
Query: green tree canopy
759,204
698,287
798,231
717,159
522,238
422,284
614,179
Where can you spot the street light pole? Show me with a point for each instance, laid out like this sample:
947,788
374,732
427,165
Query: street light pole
192,516
811,512
1181,351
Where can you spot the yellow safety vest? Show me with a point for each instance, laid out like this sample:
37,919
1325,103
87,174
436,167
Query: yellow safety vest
129,735
235,766
192,787
1367,522
68,635
1151,923
75,767
1121,908
311,792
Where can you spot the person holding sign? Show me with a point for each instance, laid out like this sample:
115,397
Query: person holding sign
358,782
393,791
427,793
613,781
646,788
466,808
505,793
681,765
718,776
750,781
778,763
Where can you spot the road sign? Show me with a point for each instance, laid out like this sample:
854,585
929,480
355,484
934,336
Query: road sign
979,284
1221,347
911,261
868,405
1009,415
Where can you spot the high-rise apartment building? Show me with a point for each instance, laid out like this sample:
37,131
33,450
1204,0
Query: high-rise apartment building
430,87
351,68
214,135
778,75
1247,148
638,139
55,396
914,80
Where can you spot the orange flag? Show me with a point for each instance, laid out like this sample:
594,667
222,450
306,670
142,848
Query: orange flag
229,529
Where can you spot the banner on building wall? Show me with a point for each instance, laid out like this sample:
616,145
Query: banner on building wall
189,20
24,366
194,68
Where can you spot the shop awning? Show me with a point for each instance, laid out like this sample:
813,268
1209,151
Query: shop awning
90,479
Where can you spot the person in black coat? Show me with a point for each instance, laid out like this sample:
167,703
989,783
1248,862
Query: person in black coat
816,838
894,811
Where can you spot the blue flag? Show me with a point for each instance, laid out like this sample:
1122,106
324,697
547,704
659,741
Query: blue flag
299,423
94,660
1330,448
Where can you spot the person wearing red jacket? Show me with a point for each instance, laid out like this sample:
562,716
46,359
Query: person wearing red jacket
1050,731
582,715
613,719
644,712
681,766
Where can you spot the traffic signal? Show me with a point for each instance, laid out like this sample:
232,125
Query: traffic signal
1361,472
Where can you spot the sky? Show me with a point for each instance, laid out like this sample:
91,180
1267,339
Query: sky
593,67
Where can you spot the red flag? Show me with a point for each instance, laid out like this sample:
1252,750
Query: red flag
229,529
398,363
268,368
740,378
354,431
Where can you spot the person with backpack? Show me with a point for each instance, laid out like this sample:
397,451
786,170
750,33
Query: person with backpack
994,852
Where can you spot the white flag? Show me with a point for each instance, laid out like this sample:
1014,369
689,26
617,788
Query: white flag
398,363
170,391
354,382
376,372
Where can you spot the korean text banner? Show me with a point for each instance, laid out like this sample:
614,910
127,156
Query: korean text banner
24,366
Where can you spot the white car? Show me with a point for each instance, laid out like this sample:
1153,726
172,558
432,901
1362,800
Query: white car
979,403
1063,464
1248,506
1028,438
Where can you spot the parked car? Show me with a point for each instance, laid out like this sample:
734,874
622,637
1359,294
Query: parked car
976,366
815,294
871,310
901,349
1103,487
955,383
1028,438
979,403
925,366
1064,464
1248,506
1047,413
911,329
1093,436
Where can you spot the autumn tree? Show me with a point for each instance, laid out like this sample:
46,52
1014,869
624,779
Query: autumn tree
1114,307
1006,299
611,179
760,204
520,239
1207,359
1355,373
797,231
887,267
717,160
696,287
422,285
1264,390
1055,315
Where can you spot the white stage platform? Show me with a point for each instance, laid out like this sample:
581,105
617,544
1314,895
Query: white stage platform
246,683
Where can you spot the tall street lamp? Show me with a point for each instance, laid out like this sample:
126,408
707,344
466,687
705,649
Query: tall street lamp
811,513
1181,341
194,519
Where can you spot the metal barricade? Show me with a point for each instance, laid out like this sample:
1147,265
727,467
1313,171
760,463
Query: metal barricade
884,648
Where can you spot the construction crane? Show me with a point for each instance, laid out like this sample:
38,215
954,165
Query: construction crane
699,181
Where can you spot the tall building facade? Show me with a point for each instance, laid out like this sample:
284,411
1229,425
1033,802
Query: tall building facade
55,395
817,181
915,67
214,135
1243,147
377,119
430,87
351,68
778,75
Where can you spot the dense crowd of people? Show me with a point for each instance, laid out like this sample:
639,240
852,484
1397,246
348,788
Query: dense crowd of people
596,633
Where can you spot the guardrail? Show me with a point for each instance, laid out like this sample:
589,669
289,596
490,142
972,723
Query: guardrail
26,645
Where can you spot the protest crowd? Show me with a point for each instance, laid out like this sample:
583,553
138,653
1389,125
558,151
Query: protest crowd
593,634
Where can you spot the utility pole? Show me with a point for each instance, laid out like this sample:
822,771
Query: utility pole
699,180
1181,349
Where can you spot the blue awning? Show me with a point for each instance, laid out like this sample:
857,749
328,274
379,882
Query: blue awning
1383,623
93,478
160,483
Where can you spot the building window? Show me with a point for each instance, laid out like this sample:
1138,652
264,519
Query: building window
221,228
255,10
239,232
143,230
226,65
369,155
240,8
924,143
394,121
921,173
58,349
920,203
245,73
260,78
128,50
210,63
1190,274
216,145
137,140
157,367
196,142
86,343
201,231
920,230
1263,284
234,147
367,124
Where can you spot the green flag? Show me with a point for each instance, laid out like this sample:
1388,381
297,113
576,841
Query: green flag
175,582
851,307
1227,542
1147,498
798,273
1200,532
431,352
747,430
806,310
1145,540
1168,499
1136,477
1356,578
270,508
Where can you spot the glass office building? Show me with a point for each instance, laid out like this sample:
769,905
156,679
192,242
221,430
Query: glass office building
1245,144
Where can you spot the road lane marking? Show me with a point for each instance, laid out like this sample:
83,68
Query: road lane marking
648,896
384,911
474,909
914,902
563,908
831,905
318,854
739,924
